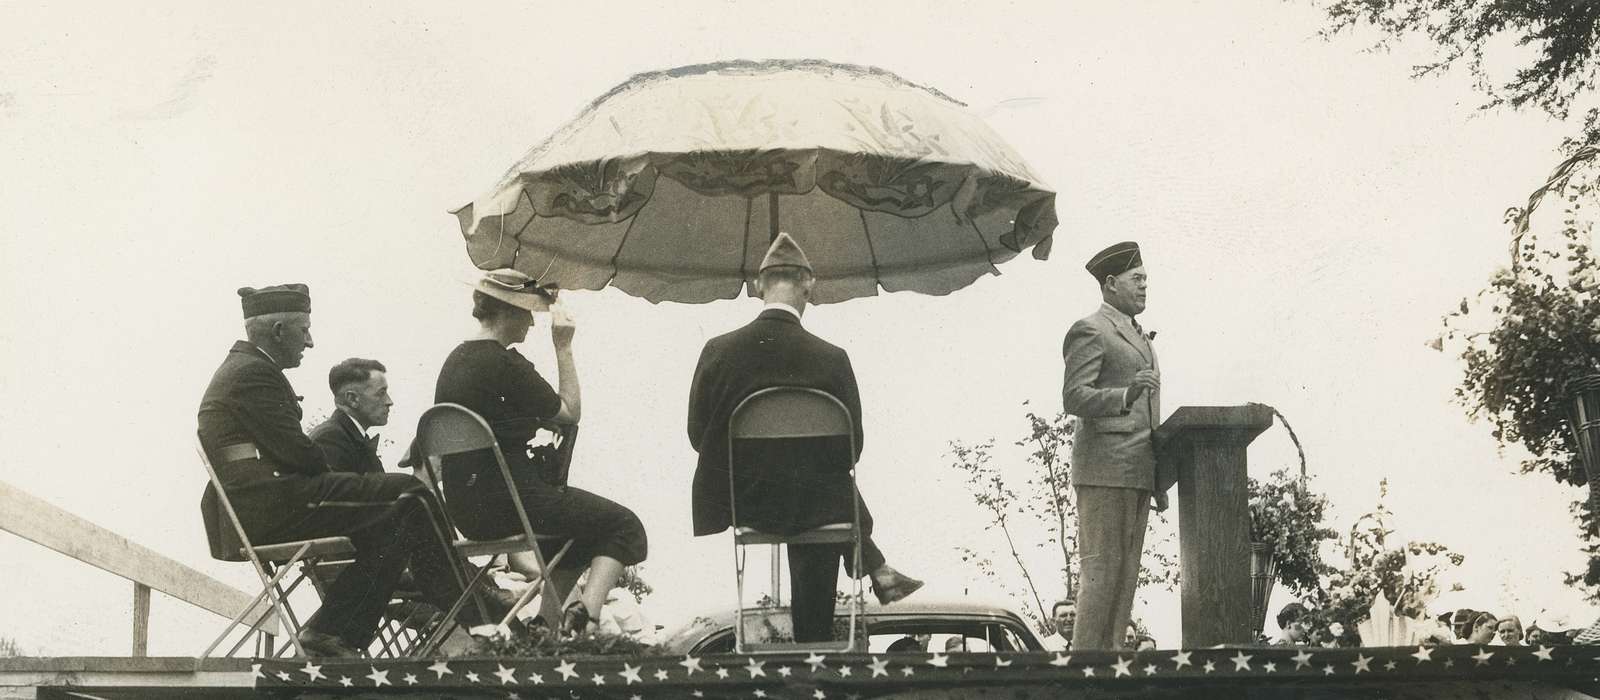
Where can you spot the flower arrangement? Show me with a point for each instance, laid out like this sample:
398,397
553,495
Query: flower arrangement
1287,515
1406,573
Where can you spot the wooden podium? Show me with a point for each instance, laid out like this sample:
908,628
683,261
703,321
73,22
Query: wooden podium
1202,450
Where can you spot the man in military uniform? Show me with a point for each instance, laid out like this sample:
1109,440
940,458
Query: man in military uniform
361,401
1113,385
799,487
282,489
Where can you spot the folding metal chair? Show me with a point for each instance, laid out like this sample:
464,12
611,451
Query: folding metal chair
793,412
449,429
272,563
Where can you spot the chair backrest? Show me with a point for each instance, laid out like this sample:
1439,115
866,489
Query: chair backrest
450,429
786,412
227,503
790,412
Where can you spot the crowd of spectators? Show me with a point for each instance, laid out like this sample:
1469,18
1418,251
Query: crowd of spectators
1463,626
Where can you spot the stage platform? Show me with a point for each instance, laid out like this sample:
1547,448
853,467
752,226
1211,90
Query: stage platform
1242,672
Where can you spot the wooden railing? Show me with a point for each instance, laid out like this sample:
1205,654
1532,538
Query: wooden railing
33,519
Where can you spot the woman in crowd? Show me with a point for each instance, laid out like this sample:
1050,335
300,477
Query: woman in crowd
1483,628
1509,629
487,376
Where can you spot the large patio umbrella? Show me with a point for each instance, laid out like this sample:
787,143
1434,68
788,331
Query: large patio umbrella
670,186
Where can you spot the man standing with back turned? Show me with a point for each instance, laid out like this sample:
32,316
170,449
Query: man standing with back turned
1112,384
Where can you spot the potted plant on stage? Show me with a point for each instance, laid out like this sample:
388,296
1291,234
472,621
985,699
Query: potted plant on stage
1286,534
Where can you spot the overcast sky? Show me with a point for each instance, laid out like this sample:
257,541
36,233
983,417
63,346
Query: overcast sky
1308,212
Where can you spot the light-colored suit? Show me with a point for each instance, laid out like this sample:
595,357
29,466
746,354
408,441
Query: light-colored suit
1113,467
1112,444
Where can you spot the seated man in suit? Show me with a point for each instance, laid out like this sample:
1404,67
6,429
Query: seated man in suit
775,350
282,490
361,401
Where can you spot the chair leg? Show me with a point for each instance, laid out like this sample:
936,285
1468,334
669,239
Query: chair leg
470,591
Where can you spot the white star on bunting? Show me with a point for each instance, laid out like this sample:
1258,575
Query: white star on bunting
630,674
1241,661
1181,659
1270,667
785,671
1302,660
880,667
939,660
907,671
1390,666
1483,656
378,678
1362,663
818,694
815,662
568,670
760,693
536,678
844,671
1088,671
1150,670
1001,663
255,672
282,676
1121,667
1061,660
755,668
346,682
410,678
722,672
598,679
1423,655
1327,670
661,674
507,676
312,672
472,677
1210,666
1544,653
690,665
440,669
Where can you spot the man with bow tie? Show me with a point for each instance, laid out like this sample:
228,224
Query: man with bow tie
1112,384
361,401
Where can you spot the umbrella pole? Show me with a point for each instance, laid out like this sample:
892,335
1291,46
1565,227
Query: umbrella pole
772,217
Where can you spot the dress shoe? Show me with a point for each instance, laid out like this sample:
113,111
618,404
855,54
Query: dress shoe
322,645
890,585
576,620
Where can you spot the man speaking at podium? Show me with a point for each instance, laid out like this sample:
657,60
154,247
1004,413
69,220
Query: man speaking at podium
1113,385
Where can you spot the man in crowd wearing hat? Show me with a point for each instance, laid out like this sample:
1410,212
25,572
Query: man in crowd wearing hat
361,401
798,487
1112,384
282,490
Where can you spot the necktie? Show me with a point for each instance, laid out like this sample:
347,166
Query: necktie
372,443
1136,327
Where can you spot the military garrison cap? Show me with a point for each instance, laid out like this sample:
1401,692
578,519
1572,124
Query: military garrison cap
275,299
1114,260
784,252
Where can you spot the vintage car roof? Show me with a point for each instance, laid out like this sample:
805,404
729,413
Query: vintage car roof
703,625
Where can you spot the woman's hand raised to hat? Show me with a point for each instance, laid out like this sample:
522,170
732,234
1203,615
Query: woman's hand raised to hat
562,326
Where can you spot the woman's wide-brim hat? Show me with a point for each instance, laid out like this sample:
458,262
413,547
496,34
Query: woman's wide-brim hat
516,289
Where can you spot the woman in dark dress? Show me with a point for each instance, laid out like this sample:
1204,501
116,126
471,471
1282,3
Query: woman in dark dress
486,375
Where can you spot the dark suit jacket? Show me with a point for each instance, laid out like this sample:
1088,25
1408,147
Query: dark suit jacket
250,401
802,486
345,447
